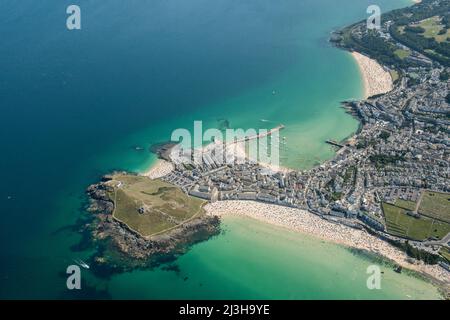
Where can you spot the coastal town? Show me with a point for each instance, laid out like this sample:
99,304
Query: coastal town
387,188
398,158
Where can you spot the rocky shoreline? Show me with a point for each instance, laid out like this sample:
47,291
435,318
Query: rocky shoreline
122,249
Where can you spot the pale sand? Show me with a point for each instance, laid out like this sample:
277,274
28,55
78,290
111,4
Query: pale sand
376,80
159,170
306,222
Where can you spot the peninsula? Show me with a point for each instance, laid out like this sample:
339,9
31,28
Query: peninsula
386,190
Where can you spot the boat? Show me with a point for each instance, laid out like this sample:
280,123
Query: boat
81,263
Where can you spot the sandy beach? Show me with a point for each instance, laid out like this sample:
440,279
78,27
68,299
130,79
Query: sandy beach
306,222
160,169
376,80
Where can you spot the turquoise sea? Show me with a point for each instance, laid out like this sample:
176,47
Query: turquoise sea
76,104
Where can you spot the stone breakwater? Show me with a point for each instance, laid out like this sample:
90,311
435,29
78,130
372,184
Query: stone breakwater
376,79
306,222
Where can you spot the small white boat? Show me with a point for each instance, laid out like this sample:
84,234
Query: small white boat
81,263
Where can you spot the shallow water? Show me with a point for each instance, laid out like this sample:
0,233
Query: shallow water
253,260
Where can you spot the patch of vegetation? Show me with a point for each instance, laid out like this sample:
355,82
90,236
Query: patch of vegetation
335,196
377,47
385,135
349,173
405,204
381,160
427,257
399,223
444,76
445,253
436,205
420,27
151,206
405,28
401,53
160,191
439,51
364,143
413,81
434,28
394,75
413,29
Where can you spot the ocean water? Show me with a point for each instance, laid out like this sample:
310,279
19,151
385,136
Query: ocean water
75,104
253,260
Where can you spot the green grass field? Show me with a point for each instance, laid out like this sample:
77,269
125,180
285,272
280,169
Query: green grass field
165,206
400,224
402,54
432,27
409,205
394,75
436,205
445,253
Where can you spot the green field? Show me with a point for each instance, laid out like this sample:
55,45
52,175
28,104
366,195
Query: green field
406,204
436,205
402,54
445,253
163,205
432,27
400,224
394,75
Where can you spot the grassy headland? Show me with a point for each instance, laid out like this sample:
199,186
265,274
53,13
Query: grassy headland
151,207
